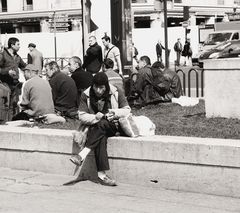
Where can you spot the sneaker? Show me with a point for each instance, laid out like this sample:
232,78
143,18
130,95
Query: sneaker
77,160
107,181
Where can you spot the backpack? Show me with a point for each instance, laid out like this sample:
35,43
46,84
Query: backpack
159,82
4,102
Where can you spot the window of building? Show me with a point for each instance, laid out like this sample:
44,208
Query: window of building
178,1
220,2
27,5
4,5
142,22
29,2
237,2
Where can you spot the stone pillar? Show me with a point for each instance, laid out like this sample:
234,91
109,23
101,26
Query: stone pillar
222,88
192,20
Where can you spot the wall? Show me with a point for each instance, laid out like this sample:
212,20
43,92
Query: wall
222,87
45,43
145,40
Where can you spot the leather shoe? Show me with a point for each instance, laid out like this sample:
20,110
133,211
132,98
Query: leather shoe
77,160
107,181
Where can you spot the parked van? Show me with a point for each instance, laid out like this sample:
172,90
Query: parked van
214,39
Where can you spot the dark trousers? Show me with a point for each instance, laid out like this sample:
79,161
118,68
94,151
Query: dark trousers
178,58
97,141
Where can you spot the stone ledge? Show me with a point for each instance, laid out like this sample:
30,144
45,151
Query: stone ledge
202,165
190,150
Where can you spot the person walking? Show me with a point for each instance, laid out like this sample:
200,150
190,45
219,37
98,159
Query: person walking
112,52
187,52
178,50
159,48
35,57
10,61
100,107
93,59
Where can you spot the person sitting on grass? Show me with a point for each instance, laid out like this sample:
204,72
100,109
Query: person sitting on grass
172,83
37,96
64,91
114,78
100,107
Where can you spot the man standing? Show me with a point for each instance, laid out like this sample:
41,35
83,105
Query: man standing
37,96
64,90
159,48
92,61
82,79
10,61
178,49
35,57
112,52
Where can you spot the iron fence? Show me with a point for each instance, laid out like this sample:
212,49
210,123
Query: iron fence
187,77
62,61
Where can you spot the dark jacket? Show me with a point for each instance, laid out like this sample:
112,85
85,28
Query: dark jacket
64,92
178,47
159,48
187,51
175,89
82,79
8,62
93,59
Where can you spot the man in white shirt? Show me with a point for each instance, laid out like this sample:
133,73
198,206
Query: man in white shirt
112,52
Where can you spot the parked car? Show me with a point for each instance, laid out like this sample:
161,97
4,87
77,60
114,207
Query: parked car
228,49
213,41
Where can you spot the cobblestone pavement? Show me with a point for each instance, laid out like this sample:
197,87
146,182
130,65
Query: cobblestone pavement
35,192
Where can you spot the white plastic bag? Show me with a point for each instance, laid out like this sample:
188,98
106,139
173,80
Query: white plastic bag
145,126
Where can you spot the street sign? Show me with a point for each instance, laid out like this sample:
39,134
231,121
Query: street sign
58,21
58,25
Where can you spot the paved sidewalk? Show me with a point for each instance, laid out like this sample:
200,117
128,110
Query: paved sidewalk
35,192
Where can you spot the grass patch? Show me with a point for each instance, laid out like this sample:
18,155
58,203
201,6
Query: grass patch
173,119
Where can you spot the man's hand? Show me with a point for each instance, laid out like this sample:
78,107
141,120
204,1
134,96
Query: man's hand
12,73
99,116
110,116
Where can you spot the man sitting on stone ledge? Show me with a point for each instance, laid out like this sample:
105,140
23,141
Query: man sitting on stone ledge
37,96
64,91
100,107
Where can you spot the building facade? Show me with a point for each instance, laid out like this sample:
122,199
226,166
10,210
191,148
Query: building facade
22,16
147,13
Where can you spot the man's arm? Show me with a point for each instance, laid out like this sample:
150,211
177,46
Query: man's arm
22,64
29,59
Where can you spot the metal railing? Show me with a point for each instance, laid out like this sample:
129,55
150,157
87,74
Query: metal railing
187,76
62,61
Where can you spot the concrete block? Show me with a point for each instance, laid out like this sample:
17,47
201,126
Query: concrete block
203,165
222,88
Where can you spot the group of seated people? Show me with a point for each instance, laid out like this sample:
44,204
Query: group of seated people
61,93
151,84
98,100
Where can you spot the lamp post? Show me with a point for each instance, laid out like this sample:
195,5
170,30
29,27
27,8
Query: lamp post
166,33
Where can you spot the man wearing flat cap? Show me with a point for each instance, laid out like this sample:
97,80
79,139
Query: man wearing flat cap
36,95
35,57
